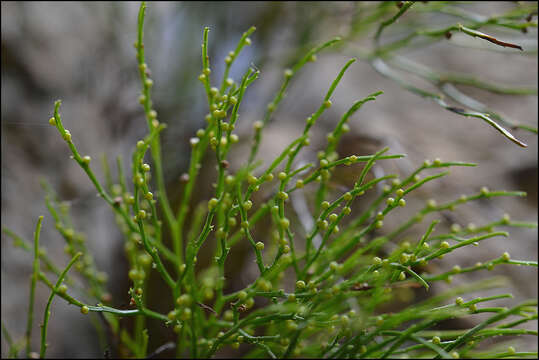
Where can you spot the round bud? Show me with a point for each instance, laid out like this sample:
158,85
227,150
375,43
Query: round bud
184,300
251,179
285,223
242,295
186,314
390,201
431,204
325,205
347,196
404,258
402,276
402,202
506,256
379,224
288,73
247,205
67,136
346,210
322,224
300,284
145,167
212,203
257,125
399,192
148,196
141,214
436,340
260,245
228,315
86,160
333,217
299,184
327,104
138,179
130,200
282,195
62,289
247,41
459,301
437,162
84,309
444,245
229,179
52,121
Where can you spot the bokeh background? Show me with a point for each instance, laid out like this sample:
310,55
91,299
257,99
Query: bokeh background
82,53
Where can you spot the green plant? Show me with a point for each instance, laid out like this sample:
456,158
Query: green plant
344,274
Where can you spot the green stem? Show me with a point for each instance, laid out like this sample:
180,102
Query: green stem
49,303
33,286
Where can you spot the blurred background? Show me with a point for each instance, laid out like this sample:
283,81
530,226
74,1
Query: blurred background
82,53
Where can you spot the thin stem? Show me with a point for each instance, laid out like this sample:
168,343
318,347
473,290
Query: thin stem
33,286
49,303
152,121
